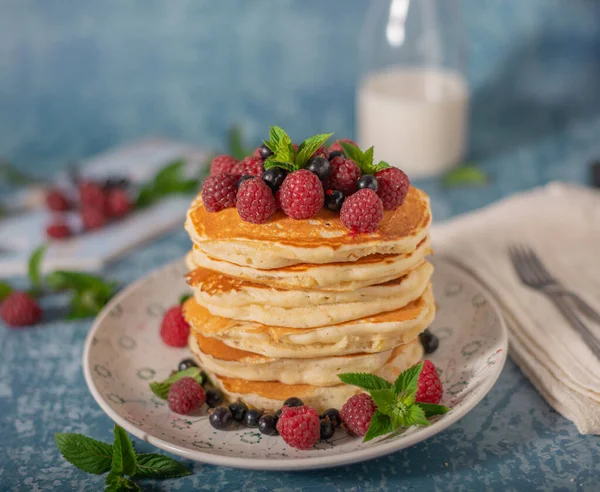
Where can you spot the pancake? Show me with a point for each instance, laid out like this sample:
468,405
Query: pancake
284,241
270,395
345,276
233,363
238,299
370,334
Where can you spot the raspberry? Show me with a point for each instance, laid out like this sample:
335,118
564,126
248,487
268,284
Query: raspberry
357,412
218,191
20,309
344,175
429,386
299,427
57,201
393,187
362,212
174,329
251,166
321,151
256,152
93,218
255,201
118,203
186,396
91,195
222,164
336,145
58,230
301,194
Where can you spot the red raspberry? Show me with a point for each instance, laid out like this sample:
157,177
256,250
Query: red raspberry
91,195
20,309
429,386
222,164
255,201
118,203
174,329
248,166
57,201
393,187
256,152
186,396
344,175
357,412
301,194
321,151
299,426
218,191
58,230
336,145
93,218
362,212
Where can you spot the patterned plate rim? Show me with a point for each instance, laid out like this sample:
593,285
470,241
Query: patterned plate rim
293,464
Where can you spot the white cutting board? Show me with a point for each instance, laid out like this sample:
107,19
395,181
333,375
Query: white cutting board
90,251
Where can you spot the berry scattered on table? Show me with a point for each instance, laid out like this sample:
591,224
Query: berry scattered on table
267,425
19,309
333,415
429,341
327,429
58,230
252,417
116,182
57,201
334,200
393,187
174,329
93,218
320,166
248,165
186,396
299,427
357,412
223,164
368,181
213,398
186,364
293,401
337,147
255,201
238,410
301,195
362,212
220,418
91,195
219,192
344,175
429,386
274,177
118,204
264,152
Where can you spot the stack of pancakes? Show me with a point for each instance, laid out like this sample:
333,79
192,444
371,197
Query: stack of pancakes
279,309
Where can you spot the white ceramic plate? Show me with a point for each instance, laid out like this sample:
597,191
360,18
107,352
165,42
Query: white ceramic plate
124,352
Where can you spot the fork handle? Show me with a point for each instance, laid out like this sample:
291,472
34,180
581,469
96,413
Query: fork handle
584,307
576,323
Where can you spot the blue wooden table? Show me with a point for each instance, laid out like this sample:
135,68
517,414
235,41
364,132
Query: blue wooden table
512,441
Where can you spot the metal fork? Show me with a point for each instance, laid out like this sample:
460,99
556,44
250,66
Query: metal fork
534,274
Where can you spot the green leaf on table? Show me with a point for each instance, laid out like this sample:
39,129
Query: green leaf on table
11,175
117,483
85,453
467,175
153,465
307,148
123,457
5,290
34,268
170,179
365,381
431,409
161,388
86,303
408,379
79,282
380,424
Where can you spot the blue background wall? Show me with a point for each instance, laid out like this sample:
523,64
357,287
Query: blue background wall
77,76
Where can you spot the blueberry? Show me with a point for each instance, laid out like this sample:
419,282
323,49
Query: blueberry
335,153
252,417
334,200
238,410
293,402
319,166
333,415
265,151
327,429
274,177
220,417
267,425
368,181
186,364
429,341
244,178
213,398
278,413
116,182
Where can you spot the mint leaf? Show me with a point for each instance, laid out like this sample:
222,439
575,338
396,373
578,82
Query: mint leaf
380,424
283,151
430,409
85,453
385,400
352,152
86,303
467,175
380,166
168,180
276,134
35,261
161,389
368,159
415,416
5,290
364,380
123,458
407,381
184,298
270,164
121,484
309,147
112,478
79,282
152,465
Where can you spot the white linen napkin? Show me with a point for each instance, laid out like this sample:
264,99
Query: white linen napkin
561,223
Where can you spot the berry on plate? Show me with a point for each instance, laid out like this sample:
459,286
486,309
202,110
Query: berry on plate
344,176
213,398
327,429
393,187
238,410
219,192
362,212
357,412
299,427
301,195
220,418
186,364
429,386
255,201
57,201
20,309
267,425
186,396
429,341
174,329
222,164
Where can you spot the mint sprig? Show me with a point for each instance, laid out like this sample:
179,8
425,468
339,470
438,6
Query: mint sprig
34,267
284,155
5,290
161,388
465,175
364,160
168,180
307,148
396,406
119,459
